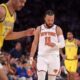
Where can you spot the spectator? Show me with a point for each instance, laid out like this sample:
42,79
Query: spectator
16,52
7,69
23,71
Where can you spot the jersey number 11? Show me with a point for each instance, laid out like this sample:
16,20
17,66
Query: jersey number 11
47,40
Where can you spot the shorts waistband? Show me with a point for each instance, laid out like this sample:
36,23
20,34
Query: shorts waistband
71,59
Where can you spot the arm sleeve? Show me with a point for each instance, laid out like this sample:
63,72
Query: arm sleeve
61,41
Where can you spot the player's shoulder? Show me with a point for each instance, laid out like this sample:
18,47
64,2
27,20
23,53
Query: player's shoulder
76,40
40,27
2,11
58,27
59,30
37,30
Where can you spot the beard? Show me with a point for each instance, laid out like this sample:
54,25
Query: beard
49,25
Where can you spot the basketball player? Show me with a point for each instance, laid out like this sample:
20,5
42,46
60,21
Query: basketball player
7,19
71,57
49,38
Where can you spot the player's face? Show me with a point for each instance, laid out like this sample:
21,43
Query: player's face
69,35
49,20
18,46
19,4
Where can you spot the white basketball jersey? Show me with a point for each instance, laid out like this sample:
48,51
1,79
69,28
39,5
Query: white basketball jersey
47,35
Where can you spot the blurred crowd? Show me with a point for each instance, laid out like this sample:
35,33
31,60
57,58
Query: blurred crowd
16,65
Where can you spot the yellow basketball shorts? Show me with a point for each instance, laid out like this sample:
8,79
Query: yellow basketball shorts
71,65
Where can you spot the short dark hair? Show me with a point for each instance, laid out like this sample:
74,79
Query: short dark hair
70,31
49,12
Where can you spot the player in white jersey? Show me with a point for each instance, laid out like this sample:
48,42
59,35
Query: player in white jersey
49,38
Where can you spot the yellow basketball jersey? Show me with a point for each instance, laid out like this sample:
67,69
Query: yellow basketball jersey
71,49
6,25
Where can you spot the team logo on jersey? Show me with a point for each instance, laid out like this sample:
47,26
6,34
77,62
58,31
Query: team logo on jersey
48,33
55,70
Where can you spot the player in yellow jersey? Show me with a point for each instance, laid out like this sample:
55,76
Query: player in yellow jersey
71,57
7,19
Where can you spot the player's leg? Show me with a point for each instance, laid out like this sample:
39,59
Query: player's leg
51,77
54,67
74,69
71,67
78,70
70,76
41,68
41,75
68,66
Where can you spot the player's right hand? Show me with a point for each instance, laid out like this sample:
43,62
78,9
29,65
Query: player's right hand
31,60
30,32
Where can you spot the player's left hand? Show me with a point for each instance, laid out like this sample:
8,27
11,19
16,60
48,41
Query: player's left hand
30,32
51,44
